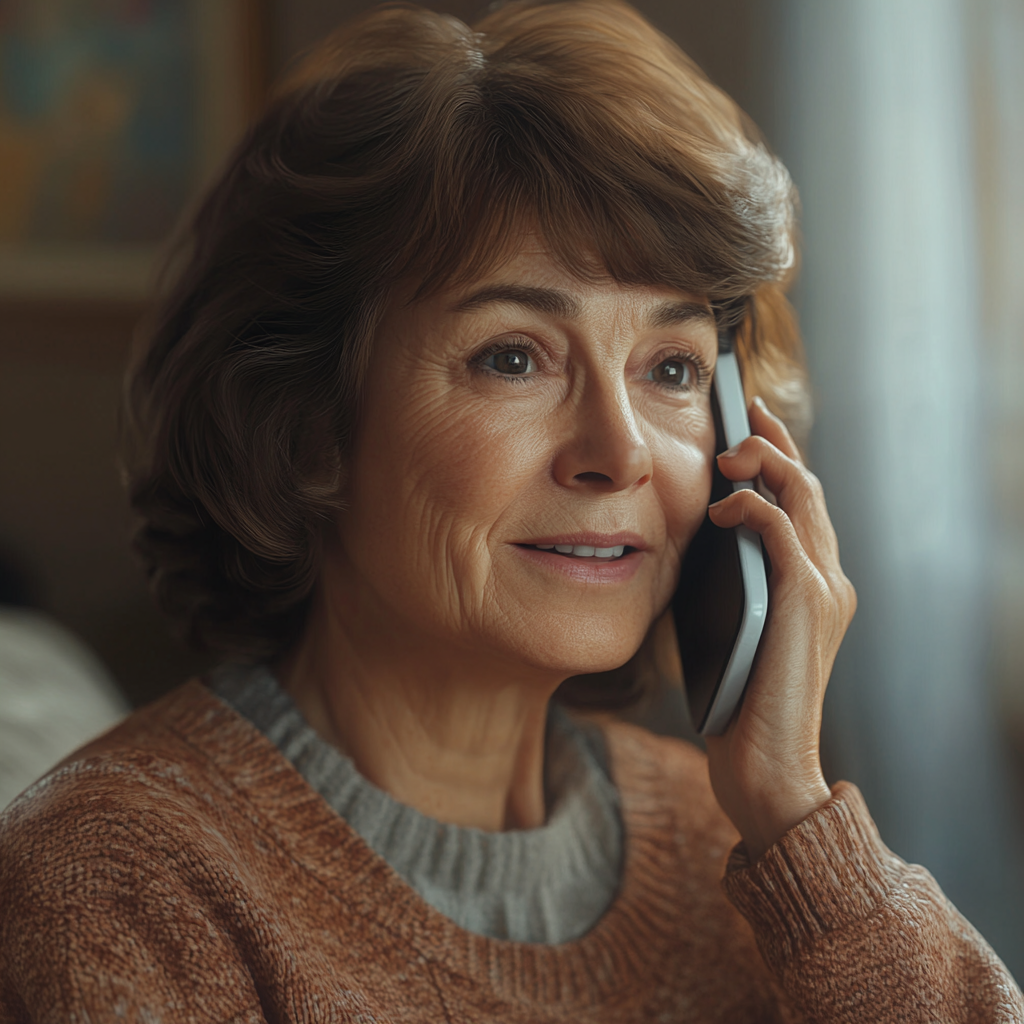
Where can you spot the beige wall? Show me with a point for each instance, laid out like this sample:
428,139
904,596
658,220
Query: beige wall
62,509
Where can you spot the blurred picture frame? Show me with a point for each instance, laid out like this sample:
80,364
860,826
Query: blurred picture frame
113,115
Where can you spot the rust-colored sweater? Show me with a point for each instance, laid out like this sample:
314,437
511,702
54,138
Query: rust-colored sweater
180,869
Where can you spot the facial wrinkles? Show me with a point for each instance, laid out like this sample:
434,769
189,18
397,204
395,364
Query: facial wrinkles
470,468
517,447
448,554
440,482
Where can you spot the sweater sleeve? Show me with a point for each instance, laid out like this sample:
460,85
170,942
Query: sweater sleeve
854,934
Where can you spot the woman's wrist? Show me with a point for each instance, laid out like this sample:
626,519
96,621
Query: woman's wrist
775,817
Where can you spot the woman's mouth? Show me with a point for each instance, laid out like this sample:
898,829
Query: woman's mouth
586,551
587,557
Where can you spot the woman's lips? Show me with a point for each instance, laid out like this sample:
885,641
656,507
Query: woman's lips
587,557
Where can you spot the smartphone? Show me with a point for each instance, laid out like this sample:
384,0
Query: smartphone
721,603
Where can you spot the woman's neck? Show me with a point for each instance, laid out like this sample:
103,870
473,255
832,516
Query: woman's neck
442,731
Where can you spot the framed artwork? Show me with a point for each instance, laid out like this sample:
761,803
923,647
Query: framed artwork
113,113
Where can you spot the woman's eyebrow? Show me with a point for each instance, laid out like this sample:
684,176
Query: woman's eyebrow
549,301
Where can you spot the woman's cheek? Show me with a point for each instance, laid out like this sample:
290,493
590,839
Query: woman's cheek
471,461
685,489
461,466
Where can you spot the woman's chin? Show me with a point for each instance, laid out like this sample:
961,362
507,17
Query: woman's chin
567,639
562,660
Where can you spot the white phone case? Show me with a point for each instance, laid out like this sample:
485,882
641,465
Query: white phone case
732,405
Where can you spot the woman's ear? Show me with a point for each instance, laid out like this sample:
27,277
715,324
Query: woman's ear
321,468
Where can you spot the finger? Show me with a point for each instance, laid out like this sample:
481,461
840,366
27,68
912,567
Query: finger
765,423
757,455
747,508
791,560
797,492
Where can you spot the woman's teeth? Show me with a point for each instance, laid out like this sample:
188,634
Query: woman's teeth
583,550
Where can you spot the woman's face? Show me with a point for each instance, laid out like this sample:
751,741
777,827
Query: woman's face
533,457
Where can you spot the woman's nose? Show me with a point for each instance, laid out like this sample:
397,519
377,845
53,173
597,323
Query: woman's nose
607,451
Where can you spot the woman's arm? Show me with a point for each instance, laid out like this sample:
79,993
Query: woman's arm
765,769
852,932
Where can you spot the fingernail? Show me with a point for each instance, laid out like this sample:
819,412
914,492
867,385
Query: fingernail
730,453
760,403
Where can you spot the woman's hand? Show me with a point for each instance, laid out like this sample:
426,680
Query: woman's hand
765,770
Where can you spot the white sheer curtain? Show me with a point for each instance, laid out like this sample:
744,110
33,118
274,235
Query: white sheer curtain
875,121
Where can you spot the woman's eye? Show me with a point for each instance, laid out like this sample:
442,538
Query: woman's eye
511,361
675,373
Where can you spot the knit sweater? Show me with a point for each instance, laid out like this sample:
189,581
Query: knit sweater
181,869
547,884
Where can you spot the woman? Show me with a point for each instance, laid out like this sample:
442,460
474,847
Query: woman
421,435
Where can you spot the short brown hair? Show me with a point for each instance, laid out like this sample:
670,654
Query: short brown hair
410,147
